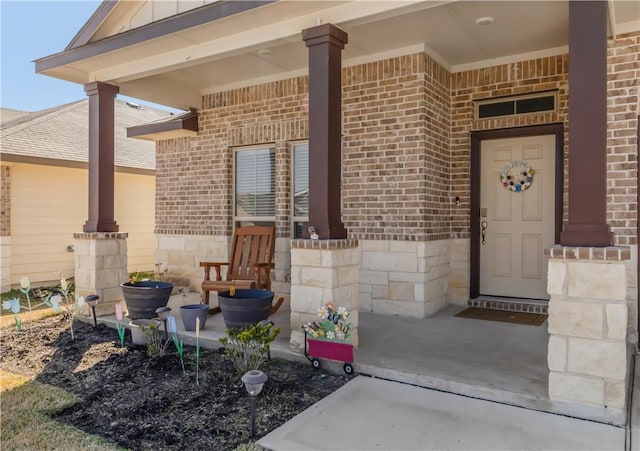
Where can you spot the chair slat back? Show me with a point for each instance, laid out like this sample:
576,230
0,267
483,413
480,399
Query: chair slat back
251,245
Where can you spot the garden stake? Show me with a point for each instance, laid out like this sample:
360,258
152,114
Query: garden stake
14,306
119,327
173,329
197,350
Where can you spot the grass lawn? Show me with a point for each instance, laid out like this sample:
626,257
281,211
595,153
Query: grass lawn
25,421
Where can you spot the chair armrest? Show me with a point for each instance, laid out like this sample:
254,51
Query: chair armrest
263,273
216,265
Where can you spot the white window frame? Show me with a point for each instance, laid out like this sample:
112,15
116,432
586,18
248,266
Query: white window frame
296,219
514,99
237,220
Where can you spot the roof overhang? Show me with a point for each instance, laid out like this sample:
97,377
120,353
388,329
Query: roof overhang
8,159
180,126
225,44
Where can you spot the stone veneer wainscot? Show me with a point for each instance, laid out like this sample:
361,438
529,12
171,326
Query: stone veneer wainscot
588,354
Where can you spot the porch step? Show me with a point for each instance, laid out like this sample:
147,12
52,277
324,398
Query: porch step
510,304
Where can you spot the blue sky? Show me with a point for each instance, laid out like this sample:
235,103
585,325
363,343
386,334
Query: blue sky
30,30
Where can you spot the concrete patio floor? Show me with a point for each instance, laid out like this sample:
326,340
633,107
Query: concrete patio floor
488,360
369,413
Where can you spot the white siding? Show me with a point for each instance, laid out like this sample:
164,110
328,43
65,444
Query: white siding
50,204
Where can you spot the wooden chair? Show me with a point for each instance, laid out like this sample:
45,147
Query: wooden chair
249,265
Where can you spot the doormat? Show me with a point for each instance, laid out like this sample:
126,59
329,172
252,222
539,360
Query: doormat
531,319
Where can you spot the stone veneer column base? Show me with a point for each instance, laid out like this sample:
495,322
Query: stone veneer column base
100,268
323,270
588,355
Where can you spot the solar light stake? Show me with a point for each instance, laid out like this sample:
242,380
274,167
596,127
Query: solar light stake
163,314
91,301
254,381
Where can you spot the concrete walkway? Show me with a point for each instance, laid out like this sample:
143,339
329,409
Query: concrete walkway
375,414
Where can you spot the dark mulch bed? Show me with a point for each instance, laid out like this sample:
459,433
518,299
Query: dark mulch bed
139,402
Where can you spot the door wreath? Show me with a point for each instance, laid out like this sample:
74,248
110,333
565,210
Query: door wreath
517,176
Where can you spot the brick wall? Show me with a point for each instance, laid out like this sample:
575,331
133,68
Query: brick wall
395,163
5,228
396,149
542,74
622,137
406,125
5,201
195,175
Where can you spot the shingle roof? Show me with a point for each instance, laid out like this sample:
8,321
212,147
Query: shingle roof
7,114
62,133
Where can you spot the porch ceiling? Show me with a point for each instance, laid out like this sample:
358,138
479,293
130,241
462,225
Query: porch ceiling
265,43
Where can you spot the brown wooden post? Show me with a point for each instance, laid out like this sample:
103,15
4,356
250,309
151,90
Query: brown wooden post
587,224
101,157
325,43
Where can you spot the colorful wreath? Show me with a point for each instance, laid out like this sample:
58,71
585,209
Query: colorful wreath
517,176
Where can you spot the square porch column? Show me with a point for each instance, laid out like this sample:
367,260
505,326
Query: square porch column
100,268
588,354
100,251
101,157
325,43
321,271
587,224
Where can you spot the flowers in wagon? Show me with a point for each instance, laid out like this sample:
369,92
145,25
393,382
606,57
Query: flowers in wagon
14,306
334,325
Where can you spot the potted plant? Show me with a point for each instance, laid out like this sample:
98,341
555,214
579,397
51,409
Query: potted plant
143,297
242,306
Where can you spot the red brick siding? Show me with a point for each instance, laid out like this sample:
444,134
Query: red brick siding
622,137
406,125
5,201
396,120
393,189
272,114
542,74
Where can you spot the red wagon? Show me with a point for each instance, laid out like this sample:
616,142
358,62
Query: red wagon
315,349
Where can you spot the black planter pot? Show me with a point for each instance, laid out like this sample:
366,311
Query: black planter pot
247,306
143,298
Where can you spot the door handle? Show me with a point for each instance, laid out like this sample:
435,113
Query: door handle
483,227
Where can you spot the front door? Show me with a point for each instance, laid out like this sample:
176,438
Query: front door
517,215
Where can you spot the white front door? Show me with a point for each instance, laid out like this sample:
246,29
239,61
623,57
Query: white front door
517,209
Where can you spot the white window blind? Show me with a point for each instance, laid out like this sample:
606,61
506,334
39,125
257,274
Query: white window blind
300,187
255,193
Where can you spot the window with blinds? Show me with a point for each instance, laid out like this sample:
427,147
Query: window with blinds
300,201
255,186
